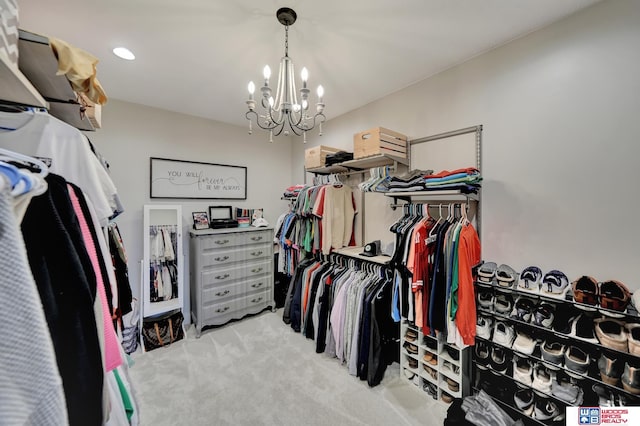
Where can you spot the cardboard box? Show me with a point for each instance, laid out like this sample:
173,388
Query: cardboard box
380,141
315,157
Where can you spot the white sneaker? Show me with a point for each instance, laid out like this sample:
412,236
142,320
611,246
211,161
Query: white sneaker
503,334
524,343
484,326
542,379
522,370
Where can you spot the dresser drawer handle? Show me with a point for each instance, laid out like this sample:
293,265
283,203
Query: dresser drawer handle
221,259
222,293
256,270
220,310
256,238
222,277
222,242
256,285
256,253
256,300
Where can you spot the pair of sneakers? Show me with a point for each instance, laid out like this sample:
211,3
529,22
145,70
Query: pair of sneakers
612,371
543,409
490,356
612,294
527,310
502,276
554,283
533,374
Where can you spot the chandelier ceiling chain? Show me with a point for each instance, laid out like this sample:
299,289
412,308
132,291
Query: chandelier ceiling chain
283,114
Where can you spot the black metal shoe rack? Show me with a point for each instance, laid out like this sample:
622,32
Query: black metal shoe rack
502,386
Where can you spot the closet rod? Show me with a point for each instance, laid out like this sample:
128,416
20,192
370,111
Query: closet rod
435,206
450,134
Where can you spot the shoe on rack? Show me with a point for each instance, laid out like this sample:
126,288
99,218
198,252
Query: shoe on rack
503,334
446,397
631,377
542,378
543,315
484,326
522,370
430,342
411,348
546,409
552,353
523,309
611,334
485,298
610,367
413,363
530,280
503,304
451,367
428,356
499,360
506,276
453,385
524,343
487,272
430,388
585,291
408,374
606,398
562,320
524,401
453,352
633,338
582,328
483,354
564,388
411,335
576,362
614,295
554,284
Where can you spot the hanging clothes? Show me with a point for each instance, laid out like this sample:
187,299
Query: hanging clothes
432,264
163,276
344,306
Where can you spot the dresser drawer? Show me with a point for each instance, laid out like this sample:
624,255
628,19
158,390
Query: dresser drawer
258,237
221,309
217,293
259,252
223,275
255,300
258,284
212,256
221,241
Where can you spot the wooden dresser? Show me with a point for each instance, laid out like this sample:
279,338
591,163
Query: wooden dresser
231,273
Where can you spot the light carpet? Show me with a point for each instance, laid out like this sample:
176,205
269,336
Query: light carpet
259,372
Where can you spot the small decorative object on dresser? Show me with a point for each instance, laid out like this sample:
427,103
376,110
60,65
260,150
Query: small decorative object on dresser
200,220
231,274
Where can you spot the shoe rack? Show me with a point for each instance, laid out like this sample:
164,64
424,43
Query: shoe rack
427,363
502,386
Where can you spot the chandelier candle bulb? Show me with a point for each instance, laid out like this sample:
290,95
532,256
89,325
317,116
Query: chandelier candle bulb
267,74
252,88
320,93
305,75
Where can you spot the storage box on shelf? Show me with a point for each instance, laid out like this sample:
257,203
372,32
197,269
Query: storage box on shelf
558,332
429,363
315,157
380,140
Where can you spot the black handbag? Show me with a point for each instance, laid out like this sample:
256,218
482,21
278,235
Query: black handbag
162,330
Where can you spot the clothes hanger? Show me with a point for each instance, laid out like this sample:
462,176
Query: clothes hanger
6,154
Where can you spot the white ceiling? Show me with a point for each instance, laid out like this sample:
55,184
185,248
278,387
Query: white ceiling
197,56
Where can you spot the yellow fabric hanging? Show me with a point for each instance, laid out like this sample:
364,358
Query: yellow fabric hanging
80,68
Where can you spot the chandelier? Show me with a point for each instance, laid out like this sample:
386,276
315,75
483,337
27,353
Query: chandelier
284,114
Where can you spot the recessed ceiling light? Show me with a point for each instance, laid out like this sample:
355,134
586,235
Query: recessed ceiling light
124,53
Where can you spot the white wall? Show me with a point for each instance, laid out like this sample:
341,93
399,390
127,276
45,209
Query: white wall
560,109
132,133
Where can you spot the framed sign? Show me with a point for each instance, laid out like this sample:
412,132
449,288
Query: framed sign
193,179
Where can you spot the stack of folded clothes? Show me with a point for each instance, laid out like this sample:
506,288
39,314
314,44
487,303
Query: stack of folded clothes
411,181
466,180
293,191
